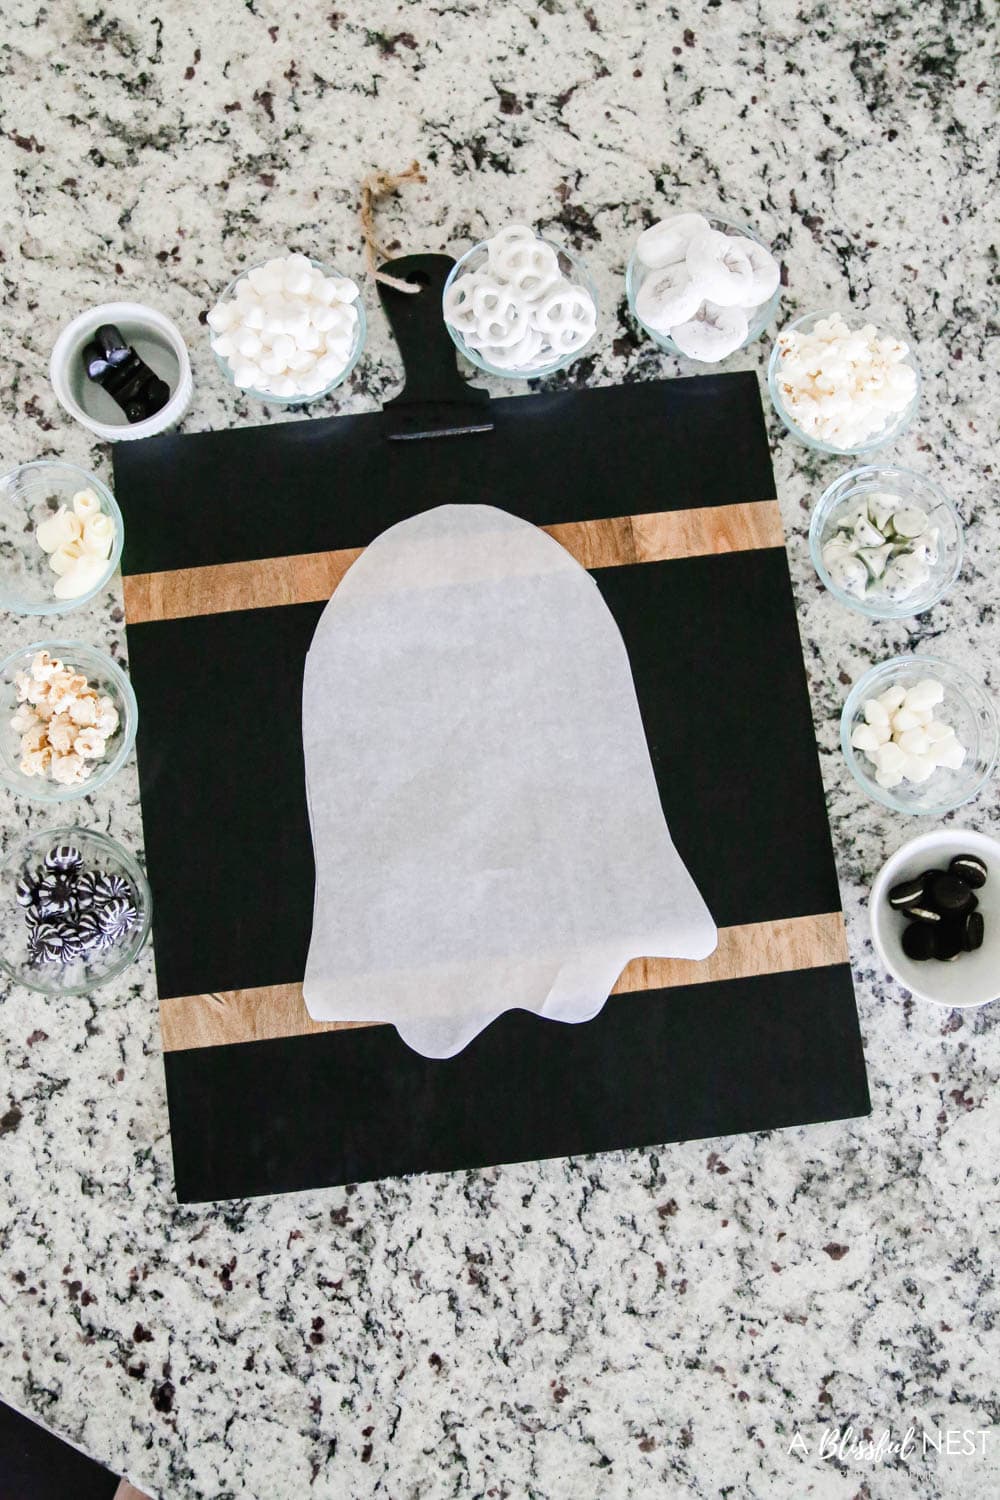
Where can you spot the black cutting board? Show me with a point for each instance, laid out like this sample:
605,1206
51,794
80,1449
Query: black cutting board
711,632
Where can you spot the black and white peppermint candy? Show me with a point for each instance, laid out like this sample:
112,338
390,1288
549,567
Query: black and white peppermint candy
63,857
46,944
111,887
56,893
89,931
86,890
27,890
117,917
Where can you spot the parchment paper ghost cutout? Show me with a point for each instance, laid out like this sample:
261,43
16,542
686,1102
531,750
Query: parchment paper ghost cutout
486,826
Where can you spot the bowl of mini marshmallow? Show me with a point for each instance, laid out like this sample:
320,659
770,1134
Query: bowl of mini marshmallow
701,286
841,383
288,331
919,735
519,305
886,541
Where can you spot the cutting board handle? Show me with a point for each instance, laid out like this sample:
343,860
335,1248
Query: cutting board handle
435,401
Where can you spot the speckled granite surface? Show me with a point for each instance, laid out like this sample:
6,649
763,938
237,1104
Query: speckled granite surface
661,1322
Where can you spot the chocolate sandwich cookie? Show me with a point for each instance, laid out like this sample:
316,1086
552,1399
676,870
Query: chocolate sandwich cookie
973,931
949,893
949,941
907,893
922,911
918,941
971,869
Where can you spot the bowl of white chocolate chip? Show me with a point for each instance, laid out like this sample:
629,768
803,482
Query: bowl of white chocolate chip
842,383
886,541
701,286
61,536
519,305
920,735
288,331
67,720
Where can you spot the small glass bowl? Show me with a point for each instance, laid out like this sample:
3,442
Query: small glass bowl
102,673
966,707
571,267
99,853
636,273
31,494
889,431
360,333
911,489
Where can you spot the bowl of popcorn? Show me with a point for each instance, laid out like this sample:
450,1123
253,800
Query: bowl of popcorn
74,910
920,735
519,305
886,541
61,536
288,331
701,286
842,383
67,720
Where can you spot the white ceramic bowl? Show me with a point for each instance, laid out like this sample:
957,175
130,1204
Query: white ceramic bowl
155,339
973,978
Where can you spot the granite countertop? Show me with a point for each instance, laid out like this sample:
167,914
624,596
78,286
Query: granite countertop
661,1321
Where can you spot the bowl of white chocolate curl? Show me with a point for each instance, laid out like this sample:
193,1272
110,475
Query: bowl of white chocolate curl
920,735
61,536
519,305
702,286
288,331
67,720
886,541
842,383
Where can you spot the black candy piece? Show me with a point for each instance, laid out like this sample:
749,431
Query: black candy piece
949,894
971,869
906,894
94,362
128,380
918,942
112,344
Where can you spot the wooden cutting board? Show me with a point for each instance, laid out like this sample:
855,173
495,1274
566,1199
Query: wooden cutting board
234,542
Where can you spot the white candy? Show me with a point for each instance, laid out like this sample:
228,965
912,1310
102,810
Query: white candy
888,756
722,266
85,505
668,296
59,529
98,536
84,575
893,697
889,779
865,738
950,754
875,712
914,741
712,334
666,243
909,522
937,732
65,557
247,376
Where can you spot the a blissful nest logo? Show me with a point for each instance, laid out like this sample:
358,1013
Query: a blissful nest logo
847,1445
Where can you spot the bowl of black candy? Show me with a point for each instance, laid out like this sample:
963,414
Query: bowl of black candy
74,910
122,371
935,917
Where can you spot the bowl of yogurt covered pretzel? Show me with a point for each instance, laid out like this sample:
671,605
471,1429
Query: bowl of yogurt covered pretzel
520,305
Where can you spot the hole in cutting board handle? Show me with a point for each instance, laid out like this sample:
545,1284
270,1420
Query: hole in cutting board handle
435,401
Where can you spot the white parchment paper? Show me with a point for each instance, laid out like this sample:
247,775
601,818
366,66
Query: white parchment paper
486,825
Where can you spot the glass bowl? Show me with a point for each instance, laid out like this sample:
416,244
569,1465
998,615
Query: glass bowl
360,333
570,266
99,852
101,672
31,494
890,430
636,273
909,488
966,707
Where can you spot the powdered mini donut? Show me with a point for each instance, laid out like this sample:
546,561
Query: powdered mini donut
665,243
721,263
712,333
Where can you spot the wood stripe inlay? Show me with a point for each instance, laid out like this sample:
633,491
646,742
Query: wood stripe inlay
264,1014
311,577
